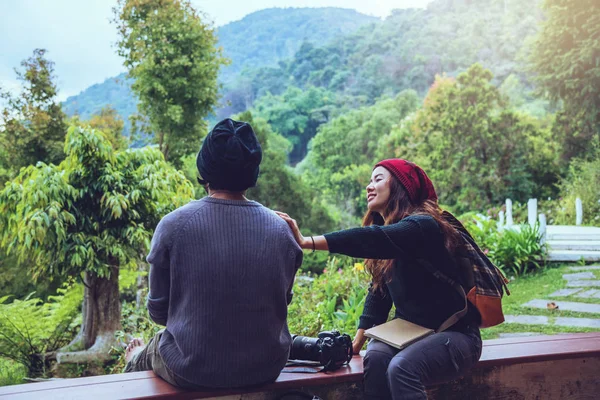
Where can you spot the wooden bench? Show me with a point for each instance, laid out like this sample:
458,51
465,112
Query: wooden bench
538,367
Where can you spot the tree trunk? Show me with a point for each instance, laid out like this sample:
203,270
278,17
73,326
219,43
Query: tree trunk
101,319
142,286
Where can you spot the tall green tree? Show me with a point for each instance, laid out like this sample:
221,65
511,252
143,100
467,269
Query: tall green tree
296,114
566,58
476,150
278,187
172,56
110,123
32,125
87,217
343,152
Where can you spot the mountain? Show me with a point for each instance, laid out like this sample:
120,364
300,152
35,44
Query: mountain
356,58
265,37
260,39
115,92
406,51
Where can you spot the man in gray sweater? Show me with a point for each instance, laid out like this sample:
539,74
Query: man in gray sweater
221,276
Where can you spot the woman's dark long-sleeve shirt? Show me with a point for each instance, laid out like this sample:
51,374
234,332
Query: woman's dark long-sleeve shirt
417,295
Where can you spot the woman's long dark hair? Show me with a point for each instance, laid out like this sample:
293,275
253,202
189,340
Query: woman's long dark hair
397,208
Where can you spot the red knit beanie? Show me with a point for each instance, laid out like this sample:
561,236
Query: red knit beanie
412,177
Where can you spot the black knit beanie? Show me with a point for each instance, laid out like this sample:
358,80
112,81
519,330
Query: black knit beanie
230,156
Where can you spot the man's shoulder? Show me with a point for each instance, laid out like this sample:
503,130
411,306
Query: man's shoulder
174,218
270,216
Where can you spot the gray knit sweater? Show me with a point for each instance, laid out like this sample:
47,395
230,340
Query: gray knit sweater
221,277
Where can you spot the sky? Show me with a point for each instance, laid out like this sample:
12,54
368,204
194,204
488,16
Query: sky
80,39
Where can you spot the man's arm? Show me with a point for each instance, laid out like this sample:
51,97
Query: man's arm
297,256
160,274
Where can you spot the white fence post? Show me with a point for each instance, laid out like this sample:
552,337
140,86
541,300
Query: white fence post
578,212
509,217
501,220
532,211
542,218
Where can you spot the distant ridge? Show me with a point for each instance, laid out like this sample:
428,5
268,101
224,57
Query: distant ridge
262,38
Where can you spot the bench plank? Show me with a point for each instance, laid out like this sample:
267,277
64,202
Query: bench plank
497,354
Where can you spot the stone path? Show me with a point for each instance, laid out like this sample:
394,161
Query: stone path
582,283
579,275
565,305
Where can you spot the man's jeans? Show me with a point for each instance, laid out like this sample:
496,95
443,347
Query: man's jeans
441,357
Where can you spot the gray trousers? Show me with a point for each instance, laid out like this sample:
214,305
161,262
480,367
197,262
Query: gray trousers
441,357
150,359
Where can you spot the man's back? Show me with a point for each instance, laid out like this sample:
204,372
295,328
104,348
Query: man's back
221,278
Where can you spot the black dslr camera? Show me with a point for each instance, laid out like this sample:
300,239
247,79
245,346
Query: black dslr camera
331,349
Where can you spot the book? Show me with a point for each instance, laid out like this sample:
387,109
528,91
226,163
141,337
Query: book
398,333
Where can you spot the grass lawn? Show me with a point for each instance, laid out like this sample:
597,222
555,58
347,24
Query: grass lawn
539,286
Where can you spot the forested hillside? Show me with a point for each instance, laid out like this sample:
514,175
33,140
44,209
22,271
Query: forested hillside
260,39
354,56
266,37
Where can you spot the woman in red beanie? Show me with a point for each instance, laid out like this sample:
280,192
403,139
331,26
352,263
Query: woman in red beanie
404,224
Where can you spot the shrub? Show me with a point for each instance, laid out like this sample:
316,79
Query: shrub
519,251
11,373
332,300
583,181
516,251
30,328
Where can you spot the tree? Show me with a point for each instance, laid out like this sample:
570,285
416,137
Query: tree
278,187
91,215
343,152
566,58
172,56
110,123
475,149
32,125
296,114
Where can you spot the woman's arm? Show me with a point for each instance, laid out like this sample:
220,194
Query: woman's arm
375,242
380,242
377,307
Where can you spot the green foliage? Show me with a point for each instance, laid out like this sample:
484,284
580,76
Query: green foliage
333,300
171,55
11,372
15,280
29,328
583,181
476,151
407,50
95,210
108,122
517,250
267,36
296,114
343,152
352,138
357,60
135,323
32,125
566,58
278,187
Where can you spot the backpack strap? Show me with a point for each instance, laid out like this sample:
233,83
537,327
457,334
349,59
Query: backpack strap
454,318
